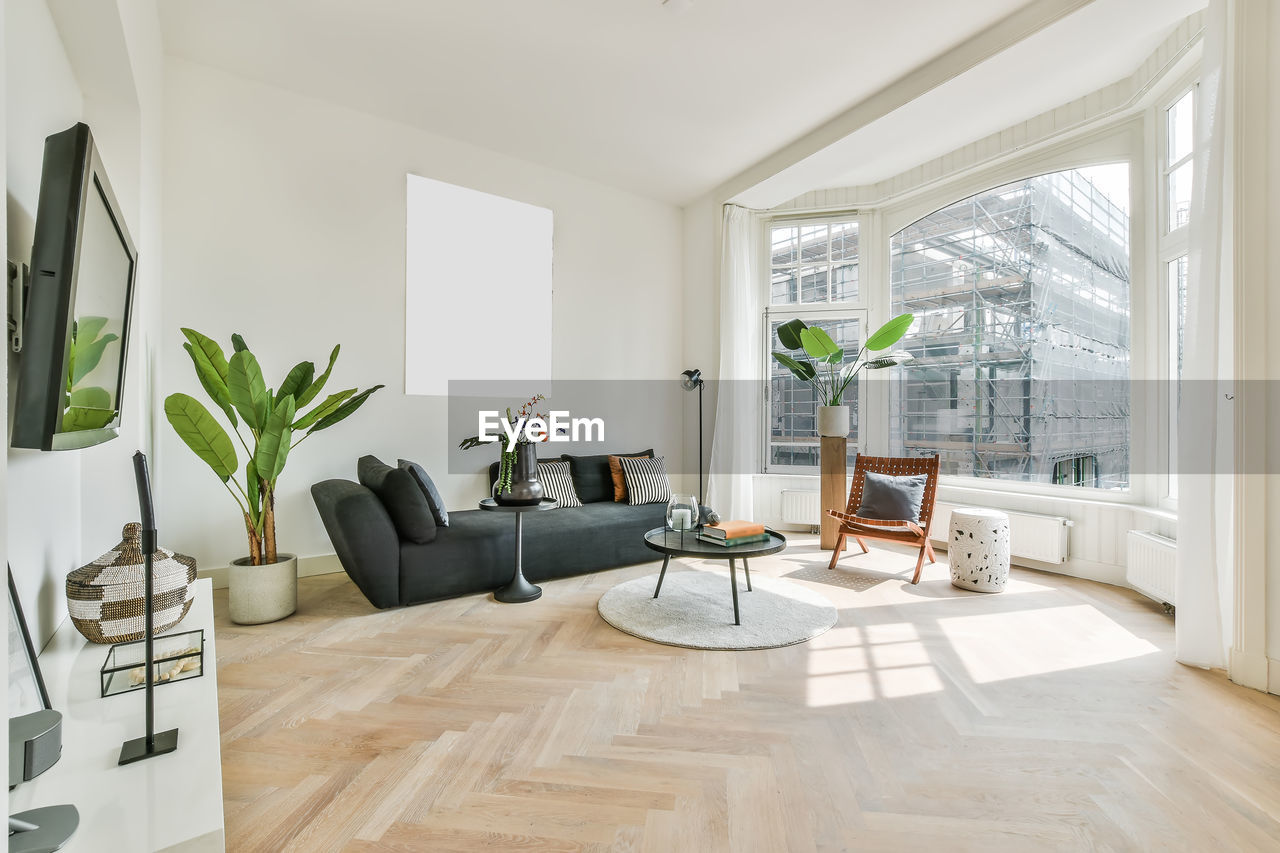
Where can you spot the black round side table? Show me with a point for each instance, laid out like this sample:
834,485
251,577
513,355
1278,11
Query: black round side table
519,590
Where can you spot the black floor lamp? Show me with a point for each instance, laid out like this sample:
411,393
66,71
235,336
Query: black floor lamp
693,379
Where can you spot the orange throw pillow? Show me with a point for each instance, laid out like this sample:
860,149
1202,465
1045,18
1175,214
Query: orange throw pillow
615,469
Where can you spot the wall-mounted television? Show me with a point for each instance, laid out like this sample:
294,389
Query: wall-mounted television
76,333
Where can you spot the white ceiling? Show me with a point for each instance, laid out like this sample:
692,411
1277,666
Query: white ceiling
666,101
1095,46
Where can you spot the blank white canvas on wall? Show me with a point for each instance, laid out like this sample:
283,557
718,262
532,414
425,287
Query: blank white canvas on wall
477,288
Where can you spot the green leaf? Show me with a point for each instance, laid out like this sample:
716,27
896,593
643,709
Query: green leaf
789,333
298,380
87,328
893,359
238,343
78,418
248,391
87,356
317,386
890,333
818,344
803,370
213,384
253,486
212,352
204,435
344,411
91,397
273,446
328,407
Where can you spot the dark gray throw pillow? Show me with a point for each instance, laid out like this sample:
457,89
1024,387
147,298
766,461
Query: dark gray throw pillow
889,498
403,499
591,476
423,479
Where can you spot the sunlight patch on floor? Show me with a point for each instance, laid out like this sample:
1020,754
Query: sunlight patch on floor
862,664
1017,644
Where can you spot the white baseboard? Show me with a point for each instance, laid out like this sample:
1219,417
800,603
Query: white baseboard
1273,675
324,564
1250,669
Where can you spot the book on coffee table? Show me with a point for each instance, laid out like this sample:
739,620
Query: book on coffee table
729,543
733,530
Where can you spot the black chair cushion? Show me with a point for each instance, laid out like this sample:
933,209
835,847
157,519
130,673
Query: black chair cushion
404,500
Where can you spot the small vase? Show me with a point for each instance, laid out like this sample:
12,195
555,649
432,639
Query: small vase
833,421
682,513
525,488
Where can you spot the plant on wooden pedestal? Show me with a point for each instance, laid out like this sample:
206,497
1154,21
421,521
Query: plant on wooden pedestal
820,361
271,417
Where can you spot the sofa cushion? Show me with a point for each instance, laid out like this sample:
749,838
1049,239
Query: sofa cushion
424,481
404,500
557,483
619,481
591,476
647,481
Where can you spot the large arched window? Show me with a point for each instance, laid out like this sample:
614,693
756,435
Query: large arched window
1022,332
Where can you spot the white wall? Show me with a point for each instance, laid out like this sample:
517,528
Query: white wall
66,62
285,222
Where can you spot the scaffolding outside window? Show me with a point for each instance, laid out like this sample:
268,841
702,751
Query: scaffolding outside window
1022,332
813,269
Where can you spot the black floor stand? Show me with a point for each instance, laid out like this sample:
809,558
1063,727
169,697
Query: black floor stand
151,744
519,590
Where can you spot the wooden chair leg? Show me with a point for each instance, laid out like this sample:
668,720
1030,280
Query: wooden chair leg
928,548
919,564
839,549
859,540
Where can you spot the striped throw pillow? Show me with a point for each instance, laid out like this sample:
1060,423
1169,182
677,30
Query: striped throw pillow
557,482
647,481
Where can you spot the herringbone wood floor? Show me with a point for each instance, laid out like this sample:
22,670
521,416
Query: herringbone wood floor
1050,717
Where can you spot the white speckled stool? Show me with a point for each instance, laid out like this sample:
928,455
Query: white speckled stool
978,549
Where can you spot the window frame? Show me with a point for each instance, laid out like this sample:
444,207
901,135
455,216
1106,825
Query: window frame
854,309
1124,139
1170,245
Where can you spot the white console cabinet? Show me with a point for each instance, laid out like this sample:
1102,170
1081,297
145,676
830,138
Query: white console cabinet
169,803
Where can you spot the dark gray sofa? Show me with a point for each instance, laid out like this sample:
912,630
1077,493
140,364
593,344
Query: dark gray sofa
476,551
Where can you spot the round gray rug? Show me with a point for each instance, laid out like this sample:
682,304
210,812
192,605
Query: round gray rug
695,610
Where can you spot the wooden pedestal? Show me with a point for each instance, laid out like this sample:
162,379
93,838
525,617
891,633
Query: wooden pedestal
834,464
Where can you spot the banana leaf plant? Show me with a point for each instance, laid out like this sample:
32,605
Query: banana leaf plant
820,361
274,419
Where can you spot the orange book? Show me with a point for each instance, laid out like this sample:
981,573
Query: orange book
733,529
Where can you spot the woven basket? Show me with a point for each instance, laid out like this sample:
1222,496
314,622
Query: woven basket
105,598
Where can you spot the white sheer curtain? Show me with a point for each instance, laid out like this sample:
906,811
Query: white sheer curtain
1205,419
735,446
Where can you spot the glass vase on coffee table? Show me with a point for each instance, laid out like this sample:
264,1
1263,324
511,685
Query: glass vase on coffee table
682,515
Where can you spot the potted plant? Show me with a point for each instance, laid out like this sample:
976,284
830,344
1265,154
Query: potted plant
820,362
517,483
264,585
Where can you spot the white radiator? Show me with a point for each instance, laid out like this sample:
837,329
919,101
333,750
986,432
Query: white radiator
1151,565
1032,536
800,506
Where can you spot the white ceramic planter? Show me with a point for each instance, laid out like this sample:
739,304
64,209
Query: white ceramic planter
833,421
263,593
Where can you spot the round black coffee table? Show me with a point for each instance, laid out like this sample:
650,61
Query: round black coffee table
685,543
519,590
